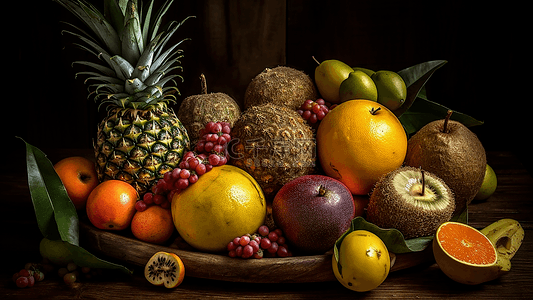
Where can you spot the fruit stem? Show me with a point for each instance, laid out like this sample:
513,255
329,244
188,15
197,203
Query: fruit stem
318,63
203,82
321,191
375,110
448,116
423,183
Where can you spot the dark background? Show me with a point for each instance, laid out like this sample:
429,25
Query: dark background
232,41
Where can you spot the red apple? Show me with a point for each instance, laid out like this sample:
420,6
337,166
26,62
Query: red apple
313,211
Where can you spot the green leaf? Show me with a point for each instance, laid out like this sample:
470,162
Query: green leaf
84,258
424,111
415,78
56,215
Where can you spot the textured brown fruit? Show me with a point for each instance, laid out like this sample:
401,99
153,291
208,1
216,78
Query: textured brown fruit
415,205
455,155
274,145
197,110
284,86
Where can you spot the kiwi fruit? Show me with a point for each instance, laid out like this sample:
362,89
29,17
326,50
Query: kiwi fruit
197,110
411,200
451,151
274,145
283,86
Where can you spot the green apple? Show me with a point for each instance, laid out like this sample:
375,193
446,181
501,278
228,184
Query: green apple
367,71
328,78
358,85
392,90
55,251
490,182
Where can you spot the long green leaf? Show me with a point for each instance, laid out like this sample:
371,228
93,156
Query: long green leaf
56,215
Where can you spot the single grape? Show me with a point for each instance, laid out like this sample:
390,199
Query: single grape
238,251
214,159
258,254
140,205
265,243
200,169
263,230
38,275
273,248
31,281
22,282
306,114
247,251
148,198
273,236
255,245
244,240
282,251
232,246
193,179
24,273
158,199
69,278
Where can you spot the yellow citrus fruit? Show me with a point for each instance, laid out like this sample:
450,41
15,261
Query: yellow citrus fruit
153,225
358,142
223,204
111,205
364,260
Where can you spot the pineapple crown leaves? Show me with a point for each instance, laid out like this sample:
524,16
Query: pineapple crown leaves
129,38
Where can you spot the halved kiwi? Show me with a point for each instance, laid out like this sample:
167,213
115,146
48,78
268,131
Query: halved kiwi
411,200
164,268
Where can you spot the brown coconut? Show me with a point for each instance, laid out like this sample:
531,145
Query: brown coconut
283,86
197,110
451,151
274,145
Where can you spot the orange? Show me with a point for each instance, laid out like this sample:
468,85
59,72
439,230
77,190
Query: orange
465,254
223,204
153,225
111,205
79,177
358,142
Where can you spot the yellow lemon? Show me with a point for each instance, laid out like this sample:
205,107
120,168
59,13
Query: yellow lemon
223,204
364,261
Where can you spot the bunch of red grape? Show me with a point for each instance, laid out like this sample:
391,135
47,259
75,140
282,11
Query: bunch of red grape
264,243
314,111
209,152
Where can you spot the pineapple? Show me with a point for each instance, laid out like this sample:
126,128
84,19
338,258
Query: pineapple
141,138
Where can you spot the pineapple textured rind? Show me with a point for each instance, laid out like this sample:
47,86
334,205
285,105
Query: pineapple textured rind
140,138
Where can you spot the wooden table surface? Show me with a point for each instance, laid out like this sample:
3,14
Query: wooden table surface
21,236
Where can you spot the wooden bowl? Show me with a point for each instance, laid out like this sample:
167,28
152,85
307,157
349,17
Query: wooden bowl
312,268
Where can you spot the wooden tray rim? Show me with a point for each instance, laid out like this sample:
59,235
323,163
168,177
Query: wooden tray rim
312,268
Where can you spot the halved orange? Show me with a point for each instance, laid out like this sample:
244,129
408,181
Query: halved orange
465,254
